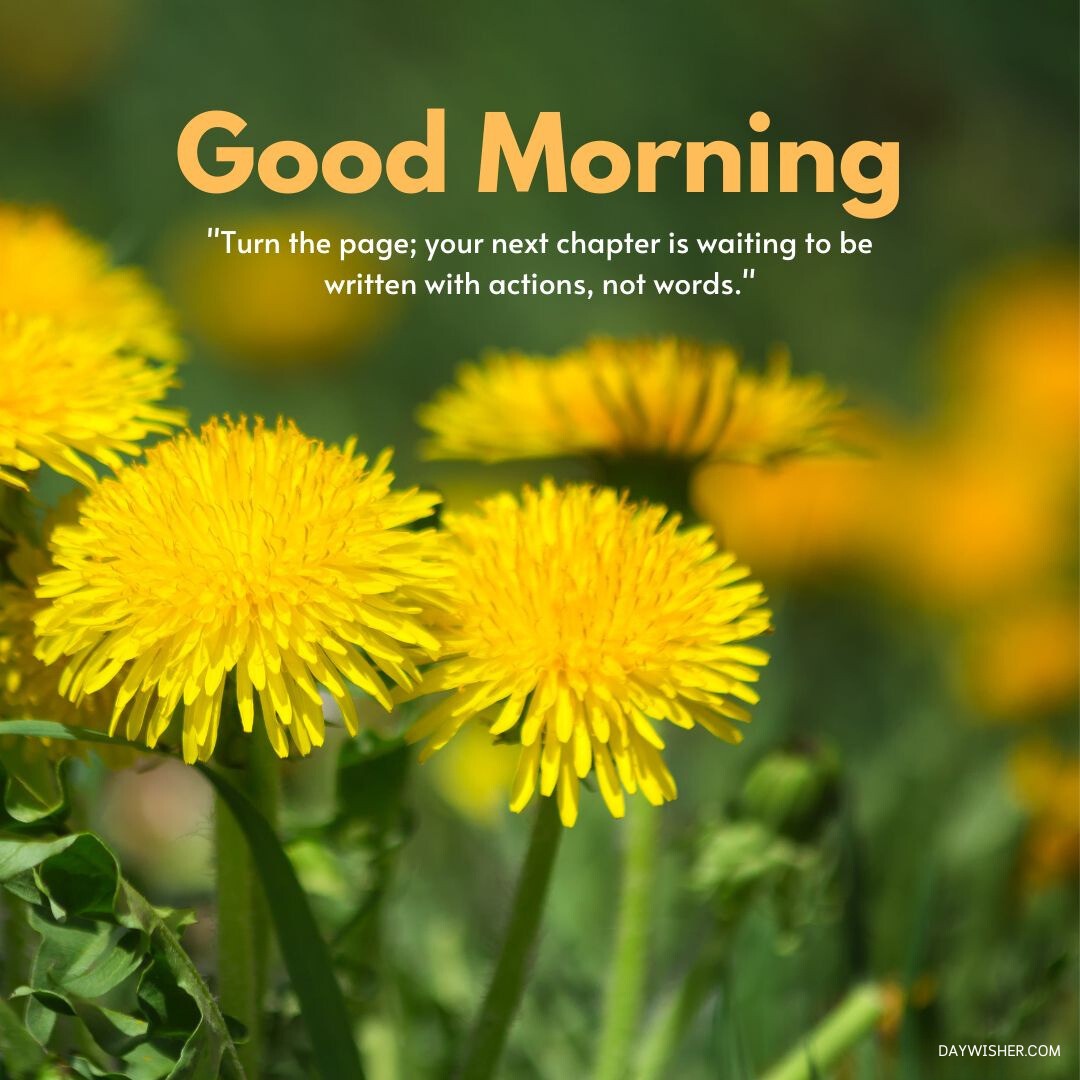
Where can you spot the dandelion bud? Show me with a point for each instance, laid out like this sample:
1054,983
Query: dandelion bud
791,791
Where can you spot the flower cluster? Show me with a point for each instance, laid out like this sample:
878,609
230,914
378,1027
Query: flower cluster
249,570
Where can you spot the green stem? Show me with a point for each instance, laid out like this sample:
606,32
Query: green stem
504,994
838,1033
244,938
626,977
189,978
676,1013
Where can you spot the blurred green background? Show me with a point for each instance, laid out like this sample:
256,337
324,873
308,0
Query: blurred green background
948,863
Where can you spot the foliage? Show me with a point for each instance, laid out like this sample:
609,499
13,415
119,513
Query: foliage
109,979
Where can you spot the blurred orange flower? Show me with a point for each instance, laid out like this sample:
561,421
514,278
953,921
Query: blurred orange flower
960,526
801,517
972,513
1016,662
1013,362
1046,782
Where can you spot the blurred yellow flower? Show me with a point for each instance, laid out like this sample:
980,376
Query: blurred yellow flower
69,395
1046,781
774,416
1022,660
473,774
47,268
260,552
580,620
612,398
270,310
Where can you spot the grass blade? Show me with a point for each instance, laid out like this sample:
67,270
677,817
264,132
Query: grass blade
306,956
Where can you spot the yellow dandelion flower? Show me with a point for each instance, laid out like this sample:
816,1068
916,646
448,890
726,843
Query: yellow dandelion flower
774,416
576,621
49,269
614,398
258,552
71,395
28,689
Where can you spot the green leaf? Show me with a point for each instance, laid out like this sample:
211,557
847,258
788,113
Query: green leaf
110,959
210,1046
306,956
148,1062
19,856
33,787
80,1066
51,729
81,878
84,958
171,1009
112,1029
42,1009
20,1054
